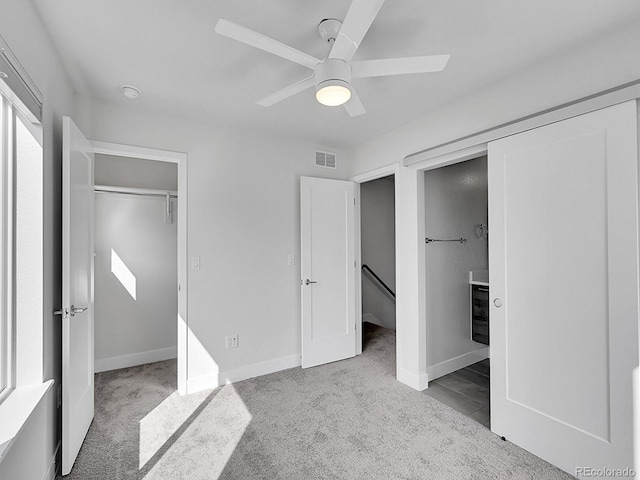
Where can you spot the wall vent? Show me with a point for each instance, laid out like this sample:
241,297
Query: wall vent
325,159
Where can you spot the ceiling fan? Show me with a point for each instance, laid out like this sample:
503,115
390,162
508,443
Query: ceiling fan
332,76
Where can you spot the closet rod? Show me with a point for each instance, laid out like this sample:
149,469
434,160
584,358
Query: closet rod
149,192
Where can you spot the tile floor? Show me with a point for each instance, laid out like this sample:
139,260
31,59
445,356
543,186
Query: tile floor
466,390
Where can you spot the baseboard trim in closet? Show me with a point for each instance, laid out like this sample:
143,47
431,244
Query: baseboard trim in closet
453,364
133,359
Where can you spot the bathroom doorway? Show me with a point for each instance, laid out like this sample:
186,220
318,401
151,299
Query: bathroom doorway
457,286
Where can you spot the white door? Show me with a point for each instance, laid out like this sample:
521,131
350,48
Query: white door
77,291
327,210
563,259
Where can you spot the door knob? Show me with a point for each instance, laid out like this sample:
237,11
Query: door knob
75,310
309,282
497,302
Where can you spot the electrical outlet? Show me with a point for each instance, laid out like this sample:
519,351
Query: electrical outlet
232,341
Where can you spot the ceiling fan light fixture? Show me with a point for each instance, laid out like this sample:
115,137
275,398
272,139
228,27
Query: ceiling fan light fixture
333,93
332,76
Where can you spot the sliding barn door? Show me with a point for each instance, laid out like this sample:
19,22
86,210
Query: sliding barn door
327,212
563,217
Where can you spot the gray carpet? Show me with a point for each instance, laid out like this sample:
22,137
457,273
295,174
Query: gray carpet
346,420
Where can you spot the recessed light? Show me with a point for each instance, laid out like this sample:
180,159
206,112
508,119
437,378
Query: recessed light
130,91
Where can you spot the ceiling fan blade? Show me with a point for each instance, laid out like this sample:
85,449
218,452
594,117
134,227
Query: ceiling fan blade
287,92
255,39
354,106
355,26
399,66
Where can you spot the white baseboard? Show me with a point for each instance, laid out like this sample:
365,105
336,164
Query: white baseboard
133,359
52,473
417,382
371,318
214,380
448,366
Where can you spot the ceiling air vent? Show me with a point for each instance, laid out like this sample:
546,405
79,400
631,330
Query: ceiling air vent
324,159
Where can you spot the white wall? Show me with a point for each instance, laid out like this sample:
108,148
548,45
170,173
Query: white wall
378,250
132,331
455,202
21,28
243,221
31,457
135,172
594,66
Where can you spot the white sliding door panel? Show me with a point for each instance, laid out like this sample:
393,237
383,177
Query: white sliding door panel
328,272
564,267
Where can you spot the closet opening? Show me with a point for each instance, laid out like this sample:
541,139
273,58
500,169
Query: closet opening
136,266
457,286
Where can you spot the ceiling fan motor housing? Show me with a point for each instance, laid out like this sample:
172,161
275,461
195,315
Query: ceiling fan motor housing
333,70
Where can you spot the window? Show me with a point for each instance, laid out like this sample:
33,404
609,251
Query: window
6,270
20,221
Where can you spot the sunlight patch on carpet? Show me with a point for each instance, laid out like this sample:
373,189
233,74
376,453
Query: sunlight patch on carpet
213,423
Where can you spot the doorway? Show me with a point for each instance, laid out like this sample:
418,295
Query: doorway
457,286
135,261
174,212
377,243
376,240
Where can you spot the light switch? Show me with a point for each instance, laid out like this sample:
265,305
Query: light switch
195,263
291,259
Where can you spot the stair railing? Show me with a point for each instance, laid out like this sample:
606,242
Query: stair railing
365,268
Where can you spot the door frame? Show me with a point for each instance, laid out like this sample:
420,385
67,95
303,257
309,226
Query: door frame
393,169
416,173
143,153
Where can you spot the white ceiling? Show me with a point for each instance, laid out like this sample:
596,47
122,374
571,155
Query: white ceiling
168,48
